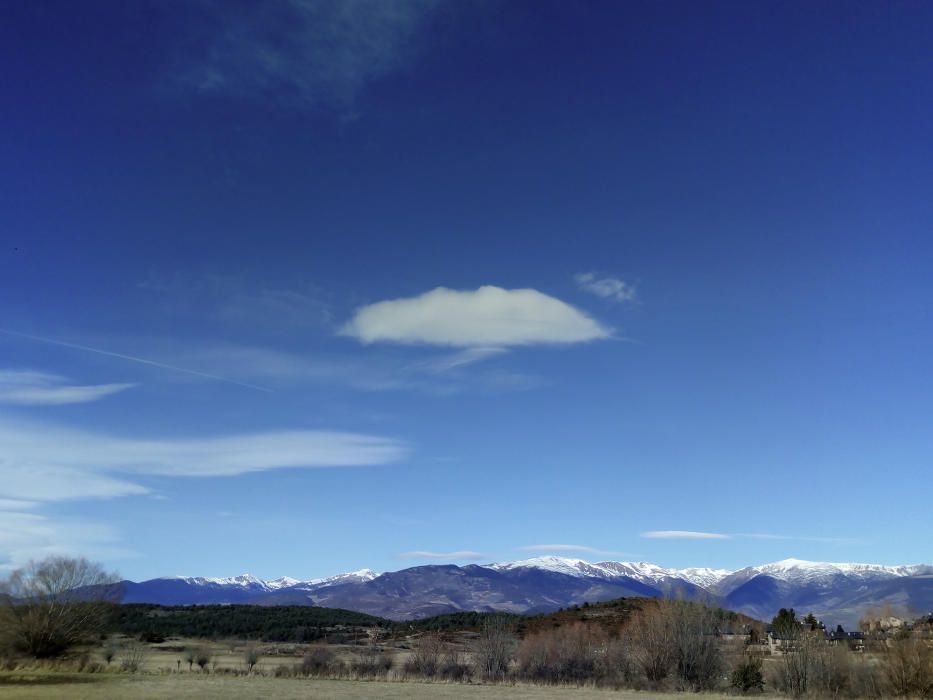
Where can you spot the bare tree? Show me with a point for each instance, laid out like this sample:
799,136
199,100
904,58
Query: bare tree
203,655
54,604
650,640
426,658
251,656
908,667
493,650
698,661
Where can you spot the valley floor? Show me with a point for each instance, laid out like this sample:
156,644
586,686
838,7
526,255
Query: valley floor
28,686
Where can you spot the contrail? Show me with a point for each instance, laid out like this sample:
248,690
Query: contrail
140,360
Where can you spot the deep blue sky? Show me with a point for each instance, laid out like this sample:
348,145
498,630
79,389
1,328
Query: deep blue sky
724,211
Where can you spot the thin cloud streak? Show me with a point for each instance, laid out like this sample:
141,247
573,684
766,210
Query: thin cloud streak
566,548
684,535
466,554
140,360
31,388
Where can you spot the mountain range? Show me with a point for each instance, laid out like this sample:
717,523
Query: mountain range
836,593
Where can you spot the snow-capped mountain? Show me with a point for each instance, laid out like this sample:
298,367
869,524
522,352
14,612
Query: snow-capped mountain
837,592
642,571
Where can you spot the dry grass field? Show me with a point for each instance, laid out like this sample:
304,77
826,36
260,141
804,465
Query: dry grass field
47,685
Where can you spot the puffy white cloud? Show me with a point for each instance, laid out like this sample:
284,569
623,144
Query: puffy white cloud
487,317
459,555
610,288
684,535
49,463
30,388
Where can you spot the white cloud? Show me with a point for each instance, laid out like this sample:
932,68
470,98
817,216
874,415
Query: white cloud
487,317
564,548
11,504
610,288
50,463
460,359
313,51
25,536
684,535
460,555
130,358
30,388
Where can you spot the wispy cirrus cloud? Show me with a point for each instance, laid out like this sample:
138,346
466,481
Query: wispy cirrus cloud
610,288
43,462
445,375
684,535
311,52
32,388
694,535
25,536
237,300
129,358
483,318
565,549
459,555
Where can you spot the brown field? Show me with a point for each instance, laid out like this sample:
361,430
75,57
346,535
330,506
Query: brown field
194,685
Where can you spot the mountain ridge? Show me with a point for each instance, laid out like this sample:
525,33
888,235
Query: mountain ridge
841,592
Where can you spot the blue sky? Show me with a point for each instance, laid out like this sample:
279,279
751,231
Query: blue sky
298,288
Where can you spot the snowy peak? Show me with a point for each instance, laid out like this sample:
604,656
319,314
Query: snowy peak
359,576
813,571
250,582
791,570
560,565
642,571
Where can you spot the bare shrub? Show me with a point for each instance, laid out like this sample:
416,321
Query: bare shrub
794,671
907,665
867,678
133,655
110,650
251,655
202,655
566,655
454,666
493,650
747,676
371,662
54,604
317,661
425,660
831,672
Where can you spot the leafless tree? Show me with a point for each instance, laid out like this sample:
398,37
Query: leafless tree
425,660
698,661
251,656
110,650
493,650
202,655
650,642
568,654
54,604
908,667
